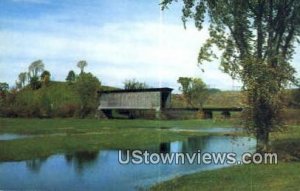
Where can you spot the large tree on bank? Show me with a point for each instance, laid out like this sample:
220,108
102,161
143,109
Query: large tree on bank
257,39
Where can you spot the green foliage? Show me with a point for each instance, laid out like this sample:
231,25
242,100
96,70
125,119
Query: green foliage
213,90
87,86
257,41
56,100
134,84
185,84
296,97
194,91
3,92
4,87
199,92
34,69
71,77
45,77
82,64
23,77
35,83
44,74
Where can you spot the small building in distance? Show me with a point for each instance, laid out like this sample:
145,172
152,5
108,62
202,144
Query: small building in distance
156,99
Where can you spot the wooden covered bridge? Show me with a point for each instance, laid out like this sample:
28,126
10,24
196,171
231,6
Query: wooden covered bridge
154,99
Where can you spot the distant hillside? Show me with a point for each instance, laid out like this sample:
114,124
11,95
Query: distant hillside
224,99
234,99
57,99
215,99
108,88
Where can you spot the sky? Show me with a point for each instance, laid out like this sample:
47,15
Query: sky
120,39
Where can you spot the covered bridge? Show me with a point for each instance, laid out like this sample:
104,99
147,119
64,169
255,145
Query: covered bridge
137,99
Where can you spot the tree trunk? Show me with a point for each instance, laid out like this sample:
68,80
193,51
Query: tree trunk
262,140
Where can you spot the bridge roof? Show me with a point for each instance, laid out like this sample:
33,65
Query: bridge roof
165,89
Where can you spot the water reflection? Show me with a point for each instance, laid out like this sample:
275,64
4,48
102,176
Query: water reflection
190,145
82,159
164,147
35,165
100,170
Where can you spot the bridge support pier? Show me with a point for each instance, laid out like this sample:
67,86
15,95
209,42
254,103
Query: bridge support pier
105,113
157,113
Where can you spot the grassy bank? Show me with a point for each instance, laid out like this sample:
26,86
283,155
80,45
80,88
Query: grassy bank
284,176
51,136
49,126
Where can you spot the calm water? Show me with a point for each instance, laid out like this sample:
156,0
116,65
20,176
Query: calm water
211,130
102,171
11,136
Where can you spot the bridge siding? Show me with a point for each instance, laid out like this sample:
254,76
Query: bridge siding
133,100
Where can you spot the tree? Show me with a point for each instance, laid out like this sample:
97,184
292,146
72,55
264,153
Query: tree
22,78
296,97
256,39
35,68
199,92
194,91
87,85
82,64
45,77
35,83
71,77
185,83
44,74
134,84
3,88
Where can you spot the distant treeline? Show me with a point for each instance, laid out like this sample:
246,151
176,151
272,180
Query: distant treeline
36,95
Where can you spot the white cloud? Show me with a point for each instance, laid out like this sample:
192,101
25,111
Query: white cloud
151,52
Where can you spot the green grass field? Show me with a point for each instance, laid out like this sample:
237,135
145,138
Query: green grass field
284,176
51,136
59,125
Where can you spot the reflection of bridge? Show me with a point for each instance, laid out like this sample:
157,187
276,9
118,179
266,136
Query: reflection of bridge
156,99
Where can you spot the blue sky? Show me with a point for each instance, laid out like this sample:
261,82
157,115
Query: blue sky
120,39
